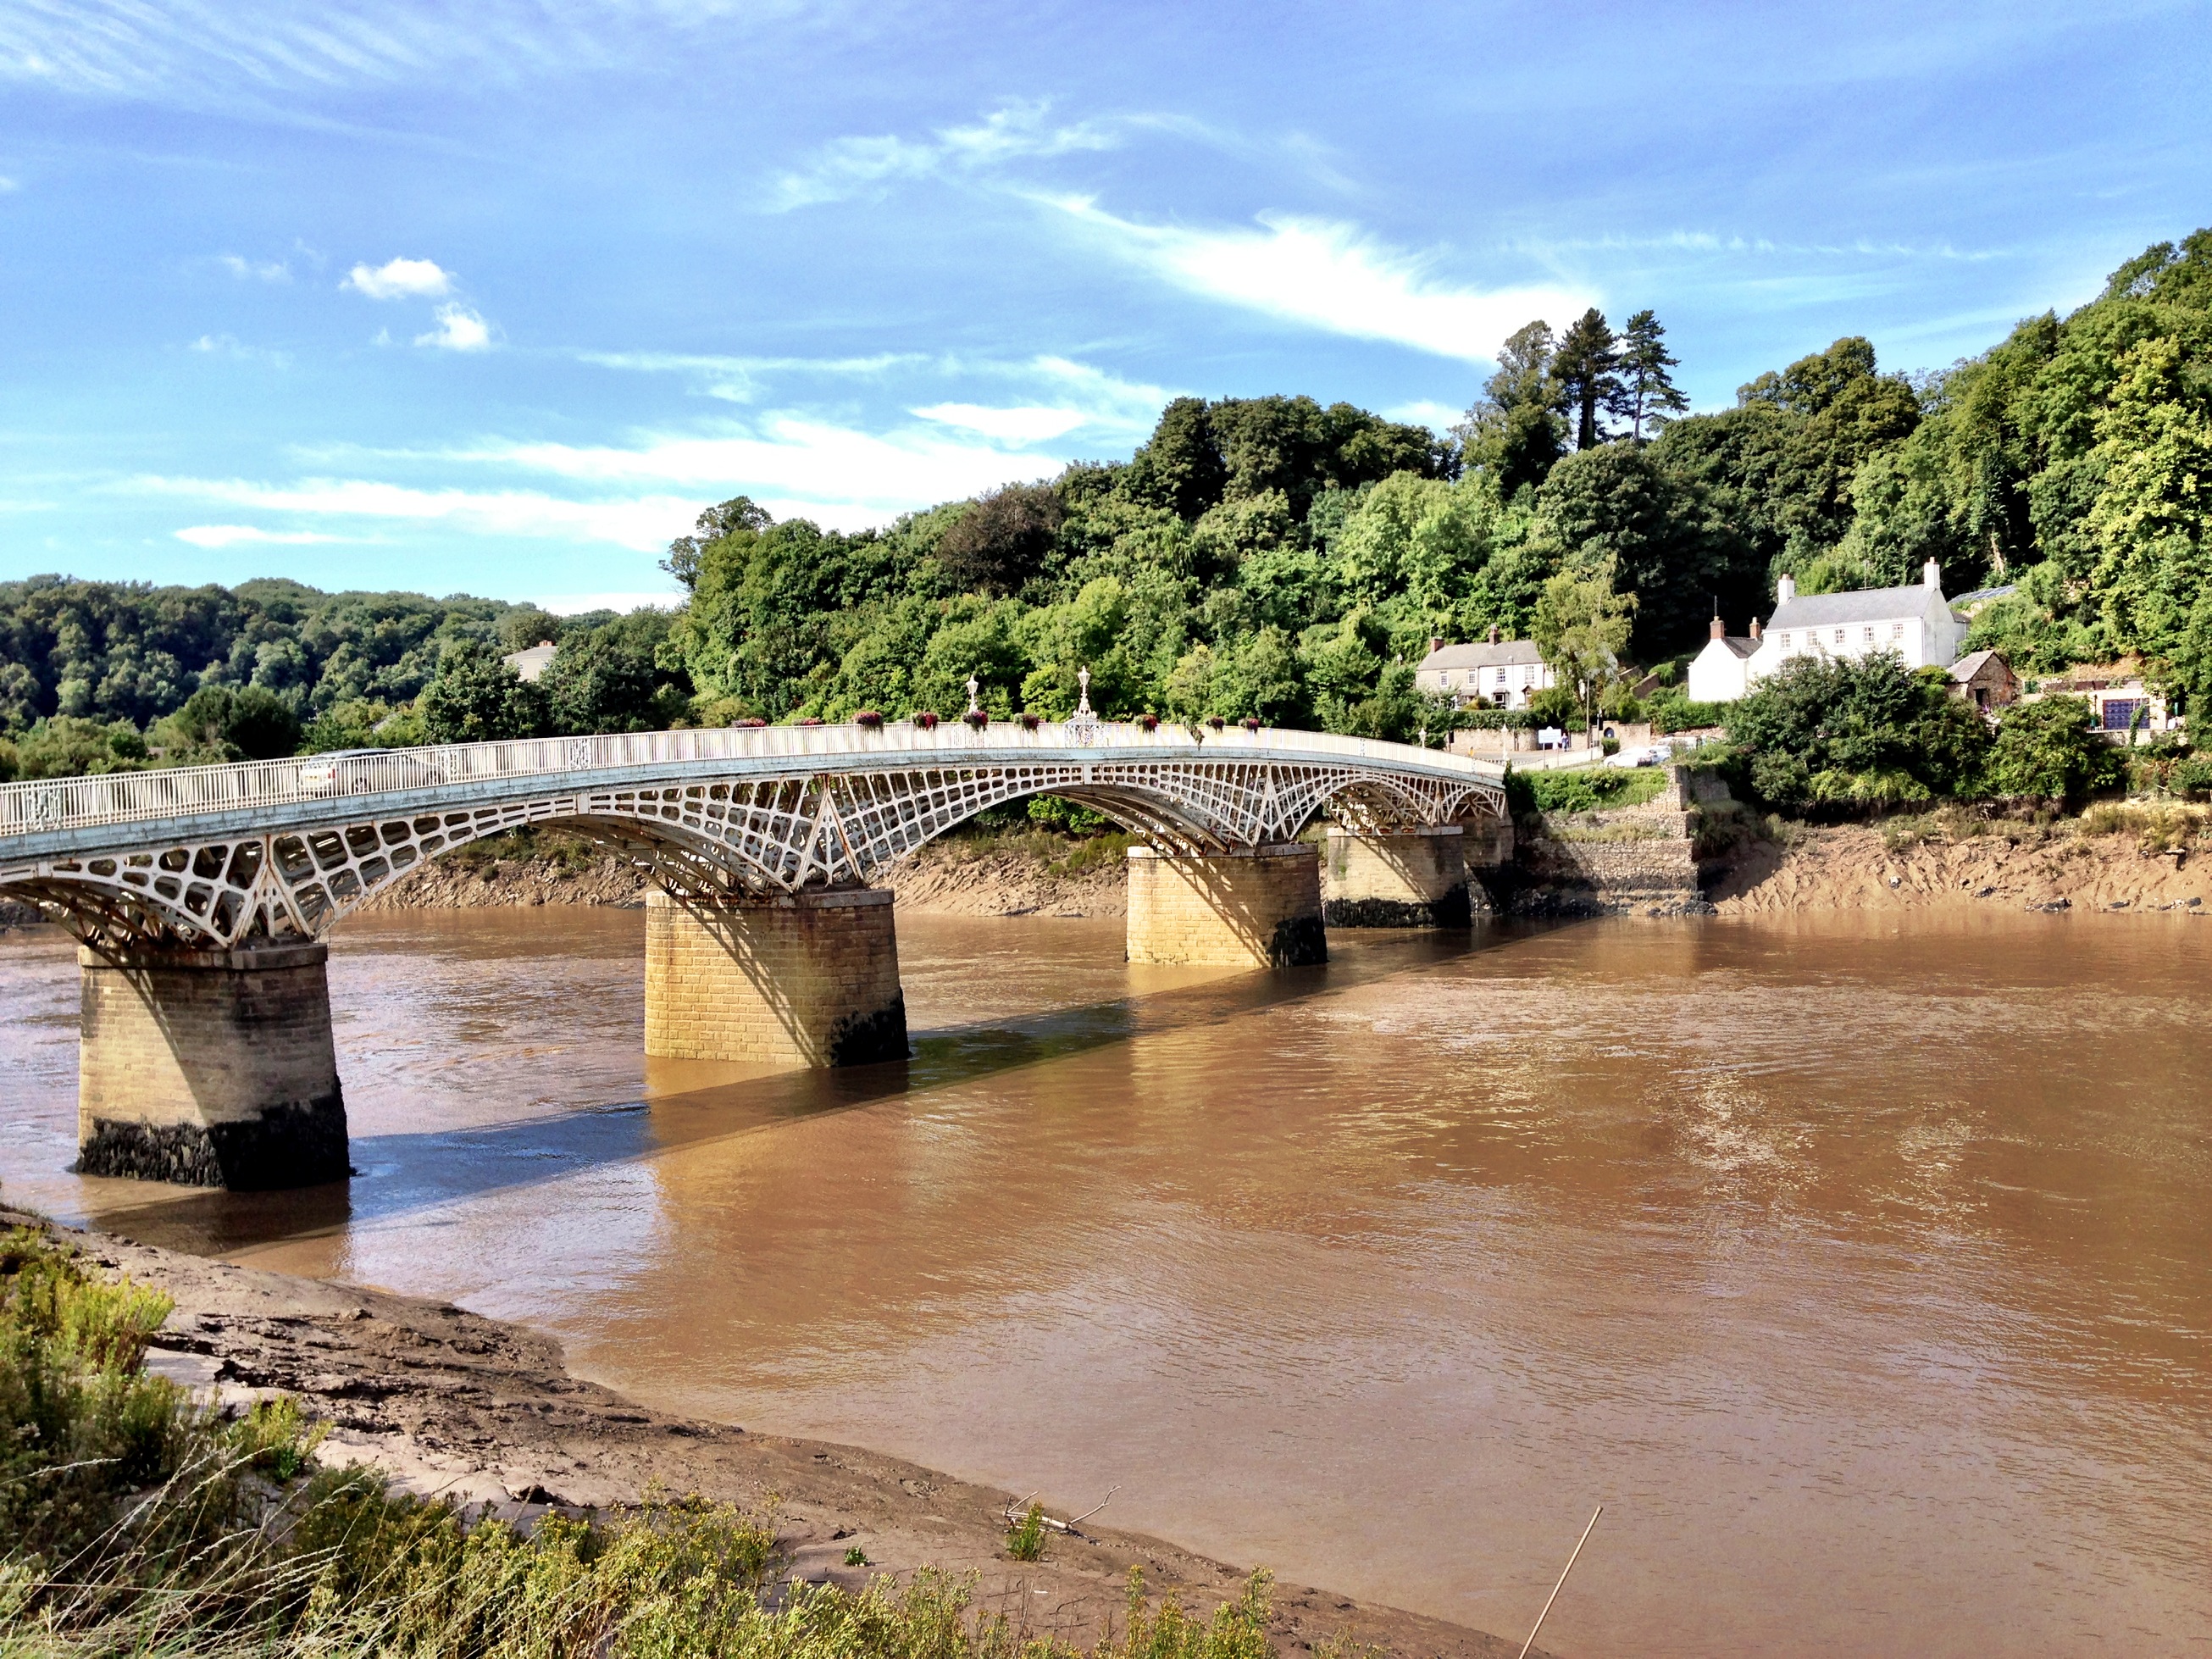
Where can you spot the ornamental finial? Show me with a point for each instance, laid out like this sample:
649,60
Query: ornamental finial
1083,697
973,707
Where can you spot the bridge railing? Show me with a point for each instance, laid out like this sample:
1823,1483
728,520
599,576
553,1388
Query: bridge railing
132,796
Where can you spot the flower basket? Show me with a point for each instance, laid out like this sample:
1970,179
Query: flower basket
975,719
750,723
1150,722
869,718
926,720
809,720
1215,721
1029,722
1251,723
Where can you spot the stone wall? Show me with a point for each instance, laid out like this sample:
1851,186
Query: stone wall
213,1068
1641,859
1259,909
795,981
1417,880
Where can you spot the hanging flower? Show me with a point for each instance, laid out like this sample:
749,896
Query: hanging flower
809,720
869,718
1251,722
1215,721
976,719
1029,722
1149,721
750,723
926,720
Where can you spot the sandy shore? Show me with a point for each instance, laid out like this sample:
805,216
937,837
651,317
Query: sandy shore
447,1402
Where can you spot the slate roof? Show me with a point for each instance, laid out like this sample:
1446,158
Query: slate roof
1869,604
1970,665
1507,654
1743,644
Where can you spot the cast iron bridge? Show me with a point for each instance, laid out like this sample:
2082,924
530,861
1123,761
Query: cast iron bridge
214,855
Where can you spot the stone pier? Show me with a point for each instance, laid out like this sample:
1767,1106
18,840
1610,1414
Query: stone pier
1260,908
794,980
1414,879
213,1068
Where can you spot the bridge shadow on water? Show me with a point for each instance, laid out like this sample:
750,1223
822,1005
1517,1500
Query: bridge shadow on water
398,1175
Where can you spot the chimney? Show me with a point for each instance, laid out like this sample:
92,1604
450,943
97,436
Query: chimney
1493,633
1434,645
1754,628
1932,576
1720,628
1785,589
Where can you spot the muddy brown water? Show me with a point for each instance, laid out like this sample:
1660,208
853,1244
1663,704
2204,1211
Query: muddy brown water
1859,1266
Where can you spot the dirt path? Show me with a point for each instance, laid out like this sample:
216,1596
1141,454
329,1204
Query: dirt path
450,1403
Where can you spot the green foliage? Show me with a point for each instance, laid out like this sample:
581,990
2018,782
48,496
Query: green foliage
217,724
2049,749
1587,789
1581,627
70,746
1670,709
1837,736
1026,1537
475,697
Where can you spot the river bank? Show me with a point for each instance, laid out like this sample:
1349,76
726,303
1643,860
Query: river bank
449,1404
2113,858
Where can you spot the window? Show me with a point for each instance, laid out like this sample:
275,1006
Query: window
1785,641
1840,636
1866,638
1896,630
2120,713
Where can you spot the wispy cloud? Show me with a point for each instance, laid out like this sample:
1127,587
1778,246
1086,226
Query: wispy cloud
641,524
230,535
227,345
1330,276
1028,424
261,271
1438,417
400,279
1015,132
739,380
458,329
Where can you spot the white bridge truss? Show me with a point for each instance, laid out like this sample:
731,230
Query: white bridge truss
210,856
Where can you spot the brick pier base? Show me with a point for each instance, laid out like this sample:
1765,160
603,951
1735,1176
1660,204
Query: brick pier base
212,1068
806,981
1413,879
1259,909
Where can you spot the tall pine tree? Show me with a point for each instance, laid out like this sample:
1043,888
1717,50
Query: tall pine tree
1647,391
1586,370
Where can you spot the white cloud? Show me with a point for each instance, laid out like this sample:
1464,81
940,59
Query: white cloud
458,329
737,380
229,535
265,271
400,279
642,524
1330,276
1028,425
228,345
1015,132
8,187
1438,417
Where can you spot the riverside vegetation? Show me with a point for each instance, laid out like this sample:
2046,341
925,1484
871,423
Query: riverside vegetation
1274,558
137,1521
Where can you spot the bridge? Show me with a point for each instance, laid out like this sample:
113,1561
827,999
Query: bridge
202,898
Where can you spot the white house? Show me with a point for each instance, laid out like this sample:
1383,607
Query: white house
1504,674
1917,623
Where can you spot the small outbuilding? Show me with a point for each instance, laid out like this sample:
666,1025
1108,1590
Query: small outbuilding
1985,679
531,663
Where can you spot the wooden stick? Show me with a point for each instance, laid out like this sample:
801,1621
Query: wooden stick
1556,1588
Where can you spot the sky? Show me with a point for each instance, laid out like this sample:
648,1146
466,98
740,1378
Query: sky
493,298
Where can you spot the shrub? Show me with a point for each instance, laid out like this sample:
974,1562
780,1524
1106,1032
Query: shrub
1841,736
2048,750
2191,776
1026,1537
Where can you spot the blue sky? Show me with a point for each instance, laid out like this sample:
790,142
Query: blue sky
493,298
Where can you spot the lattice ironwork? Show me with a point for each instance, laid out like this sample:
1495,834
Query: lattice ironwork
784,830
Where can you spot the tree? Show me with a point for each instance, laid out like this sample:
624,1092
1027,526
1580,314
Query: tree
1581,627
1001,543
739,512
600,682
1587,371
1515,433
1648,392
2049,750
475,697
1845,734
1622,502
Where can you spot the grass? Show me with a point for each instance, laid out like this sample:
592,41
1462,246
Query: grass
1586,789
2158,828
134,1521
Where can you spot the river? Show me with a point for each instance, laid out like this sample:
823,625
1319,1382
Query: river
1858,1266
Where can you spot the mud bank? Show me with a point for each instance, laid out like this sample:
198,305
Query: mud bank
450,1404
2058,867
